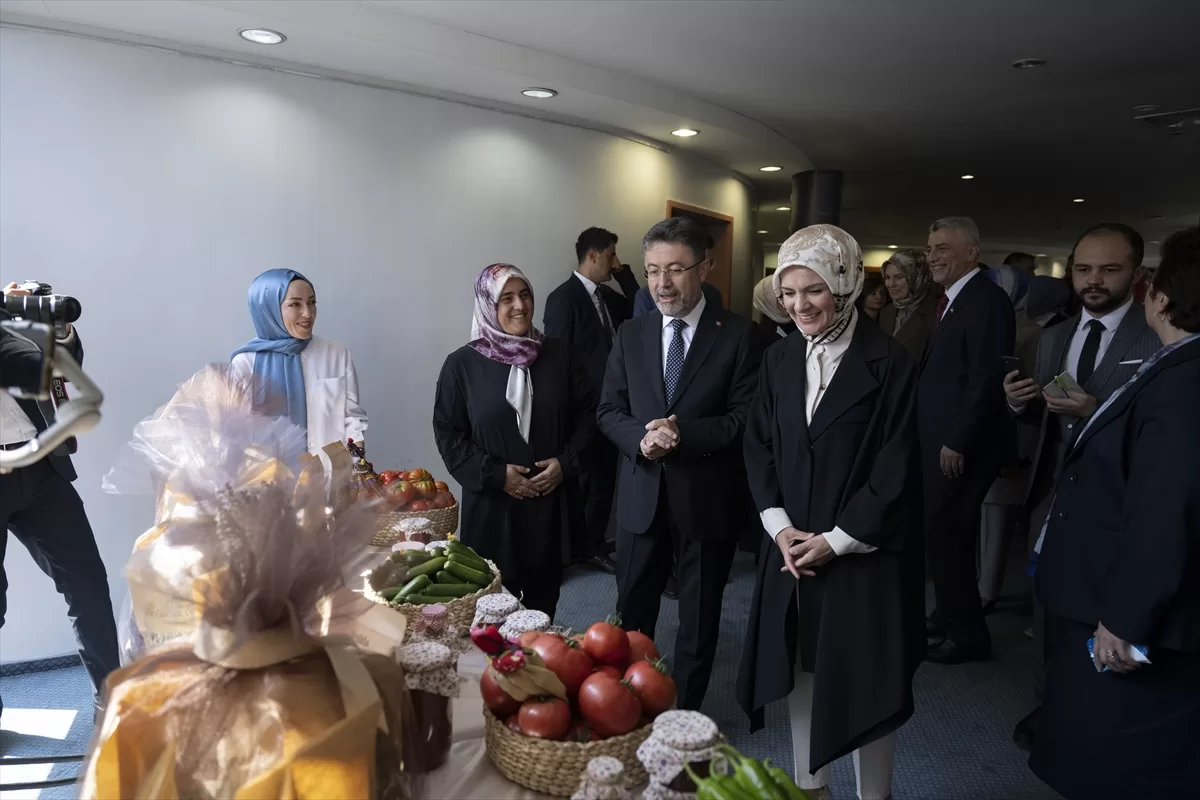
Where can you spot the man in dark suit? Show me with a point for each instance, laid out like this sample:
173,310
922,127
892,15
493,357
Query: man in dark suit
1101,347
43,511
965,430
676,394
586,314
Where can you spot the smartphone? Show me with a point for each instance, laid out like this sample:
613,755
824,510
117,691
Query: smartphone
1013,363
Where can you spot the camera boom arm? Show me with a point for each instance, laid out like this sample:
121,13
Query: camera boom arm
75,417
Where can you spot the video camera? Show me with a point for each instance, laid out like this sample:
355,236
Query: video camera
41,317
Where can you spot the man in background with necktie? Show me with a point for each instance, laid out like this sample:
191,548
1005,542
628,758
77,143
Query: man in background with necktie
678,387
966,433
585,313
1100,347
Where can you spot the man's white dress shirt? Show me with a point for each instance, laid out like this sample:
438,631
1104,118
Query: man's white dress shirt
591,286
820,365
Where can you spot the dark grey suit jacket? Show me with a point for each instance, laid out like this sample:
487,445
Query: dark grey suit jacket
1132,342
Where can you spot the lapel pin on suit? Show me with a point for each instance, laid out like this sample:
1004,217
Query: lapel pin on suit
720,324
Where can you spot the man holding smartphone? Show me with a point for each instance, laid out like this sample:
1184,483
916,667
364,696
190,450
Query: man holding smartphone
41,508
1098,349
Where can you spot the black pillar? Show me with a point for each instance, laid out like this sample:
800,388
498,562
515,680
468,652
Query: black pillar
816,198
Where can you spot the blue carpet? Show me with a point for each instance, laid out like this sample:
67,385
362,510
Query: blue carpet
956,745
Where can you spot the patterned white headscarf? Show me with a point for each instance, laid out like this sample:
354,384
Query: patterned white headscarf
834,255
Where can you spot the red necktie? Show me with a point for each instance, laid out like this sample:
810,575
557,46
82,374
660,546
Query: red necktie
941,307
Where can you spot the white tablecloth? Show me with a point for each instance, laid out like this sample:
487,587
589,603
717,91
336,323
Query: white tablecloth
469,774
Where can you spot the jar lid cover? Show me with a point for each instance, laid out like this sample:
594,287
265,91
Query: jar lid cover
425,656
521,621
685,730
499,604
606,770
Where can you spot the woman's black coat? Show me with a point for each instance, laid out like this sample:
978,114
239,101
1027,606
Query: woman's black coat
859,624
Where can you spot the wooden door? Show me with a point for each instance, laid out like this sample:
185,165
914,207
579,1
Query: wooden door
720,227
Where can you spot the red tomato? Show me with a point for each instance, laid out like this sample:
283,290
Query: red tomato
654,688
569,662
609,706
400,493
441,500
441,486
418,505
514,723
546,644
419,475
425,488
641,647
545,718
610,671
527,638
387,476
606,643
498,701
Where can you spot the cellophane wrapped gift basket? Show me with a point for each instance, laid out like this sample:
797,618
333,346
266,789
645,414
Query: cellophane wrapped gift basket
234,690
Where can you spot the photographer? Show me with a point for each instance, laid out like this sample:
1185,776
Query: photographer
45,513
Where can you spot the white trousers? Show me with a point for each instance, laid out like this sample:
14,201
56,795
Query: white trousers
872,762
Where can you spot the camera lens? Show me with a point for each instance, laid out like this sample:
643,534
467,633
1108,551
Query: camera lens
47,309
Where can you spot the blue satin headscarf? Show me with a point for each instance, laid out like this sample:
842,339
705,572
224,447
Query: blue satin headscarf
277,369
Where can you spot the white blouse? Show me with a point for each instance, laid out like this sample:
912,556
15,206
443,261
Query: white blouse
331,390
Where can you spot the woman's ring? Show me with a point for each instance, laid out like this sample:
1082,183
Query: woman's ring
1110,654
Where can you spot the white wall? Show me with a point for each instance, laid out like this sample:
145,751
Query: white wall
154,187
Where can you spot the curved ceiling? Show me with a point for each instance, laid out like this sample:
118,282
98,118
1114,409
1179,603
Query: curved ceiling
903,96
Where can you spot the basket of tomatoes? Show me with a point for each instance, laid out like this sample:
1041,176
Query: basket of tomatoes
613,684
410,495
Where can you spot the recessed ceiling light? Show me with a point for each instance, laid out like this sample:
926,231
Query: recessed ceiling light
784,208
1029,63
968,177
262,36
1077,200
893,246
1041,255
684,132
762,232
1154,241
769,169
1146,109
539,93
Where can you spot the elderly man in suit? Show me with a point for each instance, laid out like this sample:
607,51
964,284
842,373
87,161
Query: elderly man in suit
586,314
1101,347
676,394
966,433
43,511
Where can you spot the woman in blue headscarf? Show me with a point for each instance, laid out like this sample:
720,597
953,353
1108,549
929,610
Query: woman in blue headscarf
307,378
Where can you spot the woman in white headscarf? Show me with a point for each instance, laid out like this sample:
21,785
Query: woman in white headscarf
774,323
513,412
836,624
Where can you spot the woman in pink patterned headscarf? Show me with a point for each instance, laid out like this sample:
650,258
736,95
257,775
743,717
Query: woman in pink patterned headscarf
517,460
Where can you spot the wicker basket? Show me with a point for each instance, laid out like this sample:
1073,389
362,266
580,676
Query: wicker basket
460,612
445,522
557,767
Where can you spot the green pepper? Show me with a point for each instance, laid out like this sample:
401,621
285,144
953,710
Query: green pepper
752,776
787,787
717,787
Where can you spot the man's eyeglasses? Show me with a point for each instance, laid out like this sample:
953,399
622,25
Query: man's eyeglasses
653,273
